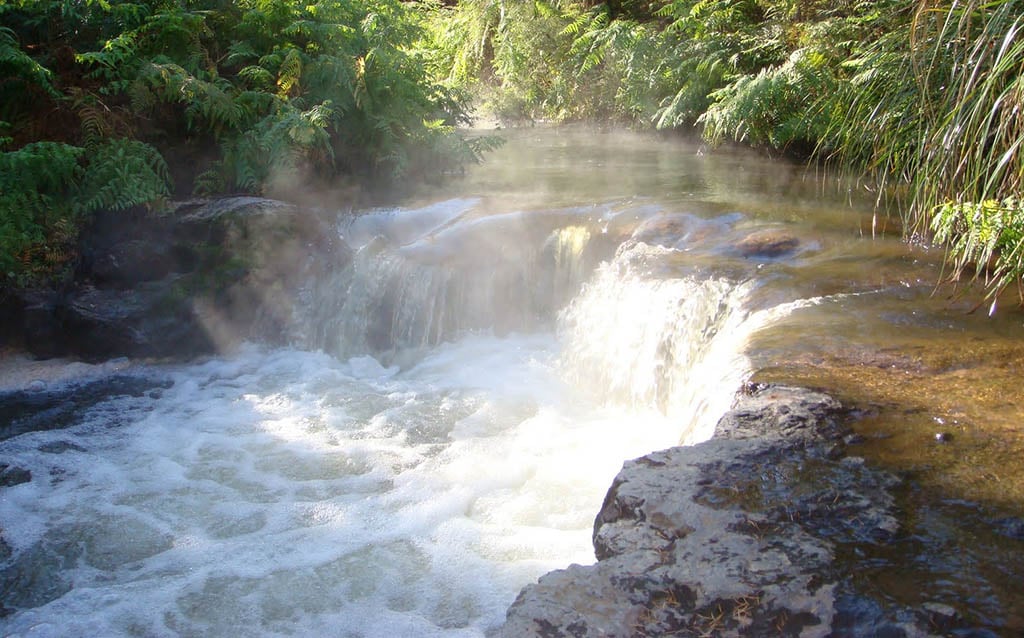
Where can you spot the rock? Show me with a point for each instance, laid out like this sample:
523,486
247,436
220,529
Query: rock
940,610
220,209
60,447
680,230
1011,527
11,476
39,328
265,251
853,439
154,319
735,536
65,405
200,279
666,229
770,243
120,249
133,261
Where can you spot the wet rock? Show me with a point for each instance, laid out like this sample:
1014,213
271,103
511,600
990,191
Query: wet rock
940,610
11,476
37,323
263,253
40,573
679,230
199,279
770,243
153,319
60,447
670,230
127,263
1010,527
36,385
735,536
65,405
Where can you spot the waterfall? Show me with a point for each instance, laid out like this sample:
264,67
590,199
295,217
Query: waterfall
636,325
674,343
499,274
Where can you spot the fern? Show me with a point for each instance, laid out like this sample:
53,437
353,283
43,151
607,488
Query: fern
279,146
773,107
337,86
122,173
46,188
37,183
289,72
14,62
100,121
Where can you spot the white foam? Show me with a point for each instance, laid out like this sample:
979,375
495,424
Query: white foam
288,492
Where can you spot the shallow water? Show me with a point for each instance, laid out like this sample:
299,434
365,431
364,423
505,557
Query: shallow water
459,398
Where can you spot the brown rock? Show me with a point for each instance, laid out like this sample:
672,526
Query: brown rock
767,243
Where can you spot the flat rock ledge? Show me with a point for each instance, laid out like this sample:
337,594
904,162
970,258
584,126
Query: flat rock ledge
747,534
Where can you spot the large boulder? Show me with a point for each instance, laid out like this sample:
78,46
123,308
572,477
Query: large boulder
265,254
737,536
153,319
199,279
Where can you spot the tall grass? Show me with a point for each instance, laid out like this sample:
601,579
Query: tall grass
969,184
938,108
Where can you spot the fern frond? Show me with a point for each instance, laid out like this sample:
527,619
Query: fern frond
123,173
289,73
14,62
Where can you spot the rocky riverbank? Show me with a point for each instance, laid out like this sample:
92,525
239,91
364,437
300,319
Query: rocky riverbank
761,530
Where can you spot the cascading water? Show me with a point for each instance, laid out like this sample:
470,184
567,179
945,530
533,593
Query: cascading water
468,387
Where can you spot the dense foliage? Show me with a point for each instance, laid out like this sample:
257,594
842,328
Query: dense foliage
117,103
923,98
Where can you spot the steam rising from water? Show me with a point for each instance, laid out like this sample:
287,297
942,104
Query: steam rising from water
483,381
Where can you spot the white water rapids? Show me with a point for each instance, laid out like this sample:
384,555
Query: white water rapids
442,435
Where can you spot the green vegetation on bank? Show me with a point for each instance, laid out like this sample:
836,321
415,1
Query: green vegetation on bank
116,103
923,98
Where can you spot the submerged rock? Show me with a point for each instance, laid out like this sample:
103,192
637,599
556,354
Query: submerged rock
65,405
11,476
767,243
736,536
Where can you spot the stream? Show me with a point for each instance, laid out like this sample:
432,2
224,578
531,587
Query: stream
458,399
